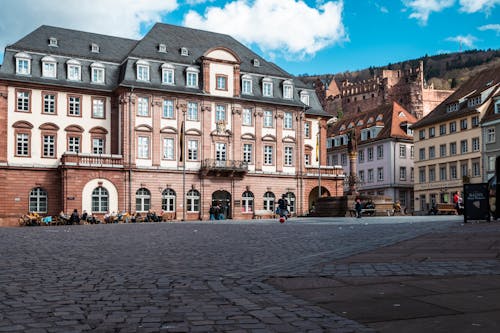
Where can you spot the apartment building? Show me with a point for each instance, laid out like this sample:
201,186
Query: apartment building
449,141
173,122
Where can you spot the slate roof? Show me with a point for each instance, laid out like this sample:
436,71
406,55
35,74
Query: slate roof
482,81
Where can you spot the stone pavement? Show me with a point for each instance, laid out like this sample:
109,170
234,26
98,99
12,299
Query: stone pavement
211,276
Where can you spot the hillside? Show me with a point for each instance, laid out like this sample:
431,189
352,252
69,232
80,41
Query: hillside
444,71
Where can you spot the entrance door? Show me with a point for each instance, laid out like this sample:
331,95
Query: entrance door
224,199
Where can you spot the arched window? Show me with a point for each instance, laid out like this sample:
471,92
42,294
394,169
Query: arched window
168,200
142,200
247,202
38,200
269,199
100,200
193,201
290,197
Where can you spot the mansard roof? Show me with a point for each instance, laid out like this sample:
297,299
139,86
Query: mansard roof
481,82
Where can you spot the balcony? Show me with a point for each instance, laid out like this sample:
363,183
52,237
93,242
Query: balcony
215,168
91,160
326,171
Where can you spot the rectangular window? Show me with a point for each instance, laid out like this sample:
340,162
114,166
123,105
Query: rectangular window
268,118
464,146
491,163
476,169
442,129
74,106
421,174
22,144
475,144
268,155
168,76
453,148
453,127
369,152
288,156
220,113
97,75
98,146
143,147
143,106
490,135
288,120
421,134
402,173
432,174
192,79
168,109
442,173
49,69
475,121
361,156
247,117
402,151
412,152
361,175
442,150
380,174
307,129
412,174
23,101
74,72
287,91
421,154
370,175
453,172
463,124
221,82
22,66
307,159
343,159
192,111
463,170
247,153
168,148
246,87
98,108
74,144
49,146
267,89
49,103
220,152
432,132
192,154
380,152
432,152
142,73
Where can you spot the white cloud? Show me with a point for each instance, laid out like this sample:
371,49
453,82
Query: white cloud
473,6
113,17
289,28
421,9
197,2
467,41
494,27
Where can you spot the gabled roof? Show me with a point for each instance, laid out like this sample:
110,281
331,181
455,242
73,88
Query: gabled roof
482,81
391,122
74,43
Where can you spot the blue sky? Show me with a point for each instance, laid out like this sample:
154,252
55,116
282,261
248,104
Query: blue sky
311,36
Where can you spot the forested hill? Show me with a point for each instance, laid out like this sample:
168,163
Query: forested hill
444,71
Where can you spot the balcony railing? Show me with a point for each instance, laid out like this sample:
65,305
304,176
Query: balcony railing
325,171
223,168
92,160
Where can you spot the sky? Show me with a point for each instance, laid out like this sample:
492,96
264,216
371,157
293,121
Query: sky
300,36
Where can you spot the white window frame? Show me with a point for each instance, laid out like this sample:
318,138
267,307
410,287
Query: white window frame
268,155
402,151
268,119
49,67
167,74
74,144
267,87
193,201
464,146
288,154
168,148
288,120
402,173
247,153
246,117
490,135
287,91
475,144
142,71
380,174
98,108
246,86
304,97
142,200
143,147
98,146
192,111
220,113
100,200
97,73
23,63
49,146
380,152
192,77
22,144
192,154
74,72
143,106
168,109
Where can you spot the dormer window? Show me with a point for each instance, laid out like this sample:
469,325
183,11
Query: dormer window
304,97
94,48
142,70
184,51
474,101
167,74
453,107
97,73
256,62
287,90
53,42
246,85
49,67
497,106
192,77
23,63
74,70
162,48
267,87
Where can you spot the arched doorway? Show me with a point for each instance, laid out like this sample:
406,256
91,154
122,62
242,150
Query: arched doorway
224,199
313,196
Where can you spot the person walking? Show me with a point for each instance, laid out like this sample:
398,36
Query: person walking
283,207
358,208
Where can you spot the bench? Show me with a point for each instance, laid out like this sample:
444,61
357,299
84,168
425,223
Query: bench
262,213
446,208
168,216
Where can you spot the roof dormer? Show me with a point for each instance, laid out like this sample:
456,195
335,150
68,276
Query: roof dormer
94,48
255,62
53,42
162,48
184,51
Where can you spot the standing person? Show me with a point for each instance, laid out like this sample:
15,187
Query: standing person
283,207
456,198
357,207
212,212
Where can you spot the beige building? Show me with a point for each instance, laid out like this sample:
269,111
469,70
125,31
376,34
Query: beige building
448,142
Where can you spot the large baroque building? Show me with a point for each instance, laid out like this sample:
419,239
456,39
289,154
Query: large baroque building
456,143
174,122
383,151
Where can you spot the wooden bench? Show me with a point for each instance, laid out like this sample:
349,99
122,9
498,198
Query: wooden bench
262,213
446,208
168,216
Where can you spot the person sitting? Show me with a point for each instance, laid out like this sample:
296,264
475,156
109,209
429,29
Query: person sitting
63,217
113,217
149,216
397,207
75,217
107,217
84,216
283,207
91,219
